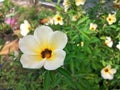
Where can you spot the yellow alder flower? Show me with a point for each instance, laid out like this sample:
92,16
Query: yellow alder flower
25,28
109,41
108,72
93,26
58,19
111,19
66,5
118,45
43,49
80,2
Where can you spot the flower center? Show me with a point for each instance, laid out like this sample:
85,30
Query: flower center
46,53
106,70
110,19
92,28
58,18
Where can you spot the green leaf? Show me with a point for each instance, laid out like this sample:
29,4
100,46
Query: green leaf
47,80
82,20
67,75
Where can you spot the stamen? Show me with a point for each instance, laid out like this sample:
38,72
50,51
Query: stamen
46,53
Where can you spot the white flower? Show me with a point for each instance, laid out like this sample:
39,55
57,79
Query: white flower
25,28
111,18
44,48
58,19
108,42
1,0
76,17
108,73
80,2
118,45
50,21
93,26
66,5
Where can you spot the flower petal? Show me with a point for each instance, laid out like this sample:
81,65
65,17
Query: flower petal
113,71
24,30
42,34
57,60
58,40
31,61
28,45
107,76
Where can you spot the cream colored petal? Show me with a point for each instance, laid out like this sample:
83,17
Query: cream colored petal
28,45
31,61
24,30
110,44
107,76
80,2
57,60
118,46
113,71
58,40
42,33
61,23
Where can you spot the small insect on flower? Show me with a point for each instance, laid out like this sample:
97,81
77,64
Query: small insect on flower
108,72
93,26
58,19
118,46
25,28
80,2
44,48
66,5
109,41
111,18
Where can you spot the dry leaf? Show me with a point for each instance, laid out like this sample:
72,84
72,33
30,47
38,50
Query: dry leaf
9,47
17,32
45,20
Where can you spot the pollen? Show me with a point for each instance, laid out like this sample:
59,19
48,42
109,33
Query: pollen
46,53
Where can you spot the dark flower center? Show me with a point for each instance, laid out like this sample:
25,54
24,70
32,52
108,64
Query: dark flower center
58,18
46,53
106,70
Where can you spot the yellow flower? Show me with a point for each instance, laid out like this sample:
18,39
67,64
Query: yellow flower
93,26
108,42
111,19
66,5
25,28
118,45
108,73
44,48
80,2
58,19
